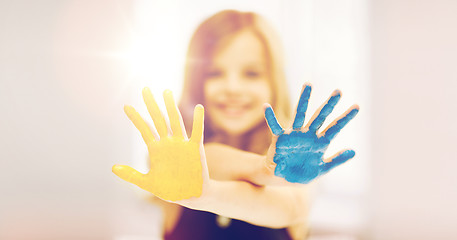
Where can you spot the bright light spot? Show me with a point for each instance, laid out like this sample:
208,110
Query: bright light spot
152,63
140,58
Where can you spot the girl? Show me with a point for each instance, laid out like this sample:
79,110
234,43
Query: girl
233,68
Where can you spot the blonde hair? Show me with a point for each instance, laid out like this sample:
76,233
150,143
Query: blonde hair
215,31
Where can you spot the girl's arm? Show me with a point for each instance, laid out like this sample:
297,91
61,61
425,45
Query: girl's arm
228,163
269,206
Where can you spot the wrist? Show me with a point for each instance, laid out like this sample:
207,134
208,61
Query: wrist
205,199
268,166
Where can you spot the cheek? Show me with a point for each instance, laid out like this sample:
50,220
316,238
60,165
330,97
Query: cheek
210,90
262,92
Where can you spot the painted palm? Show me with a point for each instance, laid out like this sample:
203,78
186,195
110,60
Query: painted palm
176,161
299,153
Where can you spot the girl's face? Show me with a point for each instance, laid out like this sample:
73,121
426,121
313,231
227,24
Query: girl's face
237,84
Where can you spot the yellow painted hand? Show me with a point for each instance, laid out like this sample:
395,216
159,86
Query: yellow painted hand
176,161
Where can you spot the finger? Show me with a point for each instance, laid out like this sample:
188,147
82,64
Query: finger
129,174
272,122
140,124
335,127
319,117
173,115
302,107
155,113
197,127
337,159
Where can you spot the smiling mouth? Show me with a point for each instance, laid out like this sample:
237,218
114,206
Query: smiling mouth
232,110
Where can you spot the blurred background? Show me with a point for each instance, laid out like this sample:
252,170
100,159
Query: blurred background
67,68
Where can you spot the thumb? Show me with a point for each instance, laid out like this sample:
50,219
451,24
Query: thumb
129,174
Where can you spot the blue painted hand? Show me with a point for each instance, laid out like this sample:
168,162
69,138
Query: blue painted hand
299,154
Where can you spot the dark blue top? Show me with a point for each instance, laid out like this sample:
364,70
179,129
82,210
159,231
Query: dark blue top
201,225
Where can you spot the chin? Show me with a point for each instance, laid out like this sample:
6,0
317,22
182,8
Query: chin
236,132
236,126
234,129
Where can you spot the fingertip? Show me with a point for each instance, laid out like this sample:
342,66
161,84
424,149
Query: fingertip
356,107
199,111
128,109
199,106
272,122
268,110
147,94
146,90
198,124
167,92
305,93
265,106
354,110
116,168
307,87
350,153
168,97
337,92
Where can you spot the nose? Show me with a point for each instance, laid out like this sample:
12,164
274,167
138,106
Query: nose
233,84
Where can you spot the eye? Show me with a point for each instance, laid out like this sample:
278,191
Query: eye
253,74
213,73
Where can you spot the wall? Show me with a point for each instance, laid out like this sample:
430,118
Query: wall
62,126
414,119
